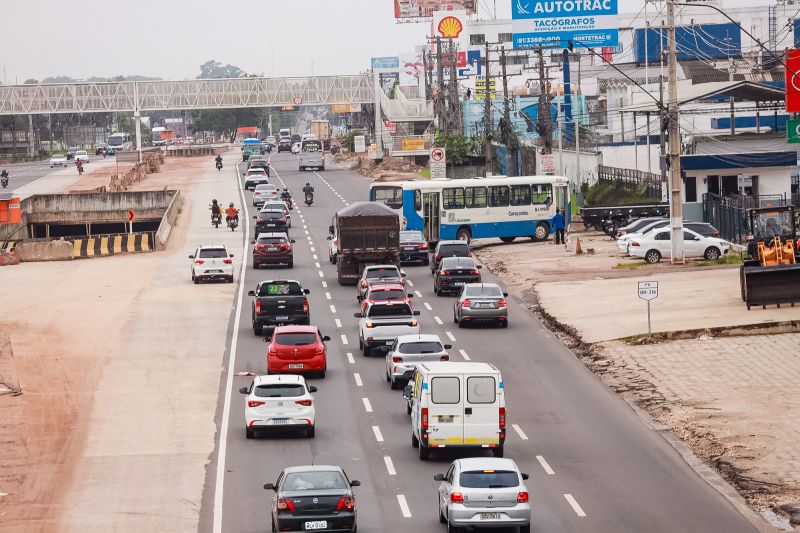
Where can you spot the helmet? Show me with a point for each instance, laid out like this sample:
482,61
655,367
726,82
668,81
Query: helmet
285,189
231,204
214,201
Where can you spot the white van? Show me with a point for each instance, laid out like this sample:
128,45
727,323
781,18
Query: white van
457,405
311,154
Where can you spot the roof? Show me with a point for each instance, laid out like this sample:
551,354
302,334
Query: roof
294,329
458,367
743,91
418,338
745,160
374,209
275,378
487,463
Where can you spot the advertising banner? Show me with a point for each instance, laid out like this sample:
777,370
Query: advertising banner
413,144
412,69
346,108
553,23
793,131
406,9
386,62
452,25
792,81
360,144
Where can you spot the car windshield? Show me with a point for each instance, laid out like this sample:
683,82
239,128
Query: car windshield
771,224
266,188
301,481
457,262
280,288
421,347
295,339
458,250
488,479
213,253
271,240
411,236
484,291
389,310
272,215
377,273
256,170
279,390
382,295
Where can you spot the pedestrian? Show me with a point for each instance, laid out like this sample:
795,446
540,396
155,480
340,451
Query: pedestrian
558,226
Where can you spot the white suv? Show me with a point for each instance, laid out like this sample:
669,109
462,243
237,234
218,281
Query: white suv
210,262
277,402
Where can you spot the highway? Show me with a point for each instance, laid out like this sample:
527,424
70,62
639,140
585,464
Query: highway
22,174
594,464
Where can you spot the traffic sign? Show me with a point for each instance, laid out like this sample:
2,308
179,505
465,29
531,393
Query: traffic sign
298,100
793,131
648,290
547,163
131,215
438,158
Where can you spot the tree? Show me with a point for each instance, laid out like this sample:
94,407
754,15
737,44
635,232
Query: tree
213,69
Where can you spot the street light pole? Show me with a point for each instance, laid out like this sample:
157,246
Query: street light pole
675,200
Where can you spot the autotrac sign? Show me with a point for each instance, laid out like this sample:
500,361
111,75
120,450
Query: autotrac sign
553,23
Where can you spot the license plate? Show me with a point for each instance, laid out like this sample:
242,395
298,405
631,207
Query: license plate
316,524
279,421
282,317
213,271
295,365
408,249
272,249
483,306
490,516
458,283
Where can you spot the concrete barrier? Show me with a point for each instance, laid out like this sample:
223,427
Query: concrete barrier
105,245
168,221
59,250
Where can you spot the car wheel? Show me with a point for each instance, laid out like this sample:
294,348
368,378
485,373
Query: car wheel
712,253
464,234
291,263
322,374
442,519
408,409
249,432
497,452
455,318
452,529
424,452
396,384
461,324
414,439
230,279
310,432
504,323
525,529
257,329
365,350
652,256
196,280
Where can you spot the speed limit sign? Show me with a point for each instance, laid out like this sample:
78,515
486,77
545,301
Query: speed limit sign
298,100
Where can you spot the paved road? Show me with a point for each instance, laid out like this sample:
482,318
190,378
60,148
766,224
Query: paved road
594,465
21,174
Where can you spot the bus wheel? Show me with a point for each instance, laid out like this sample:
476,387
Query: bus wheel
542,231
463,234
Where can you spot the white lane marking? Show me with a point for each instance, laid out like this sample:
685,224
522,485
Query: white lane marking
450,336
574,504
338,322
304,226
438,320
549,471
427,306
223,436
325,284
317,265
401,500
367,405
314,257
464,355
419,294
410,283
378,435
357,377
350,358
312,249
321,274
328,296
521,434
389,465
344,339
333,309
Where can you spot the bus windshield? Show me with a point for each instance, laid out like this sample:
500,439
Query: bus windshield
116,140
391,196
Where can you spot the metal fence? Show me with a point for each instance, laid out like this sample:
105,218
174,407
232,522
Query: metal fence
729,214
638,182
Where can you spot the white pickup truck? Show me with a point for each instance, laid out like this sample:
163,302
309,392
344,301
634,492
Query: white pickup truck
382,322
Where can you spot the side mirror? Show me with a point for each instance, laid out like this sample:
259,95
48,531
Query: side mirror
243,390
408,390
355,483
410,295
191,257
505,295
357,315
326,338
306,291
403,273
267,339
525,476
416,313
251,293
438,477
230,255
252,242
697,238
255,217
448,346
330,230
269,486
479,266
291,241
329,238
312,388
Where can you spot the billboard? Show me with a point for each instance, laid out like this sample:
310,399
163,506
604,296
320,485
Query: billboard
412,69
392,62
792,81
409,9
694,43
553,23
346,108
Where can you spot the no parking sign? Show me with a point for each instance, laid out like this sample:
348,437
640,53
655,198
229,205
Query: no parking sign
438,163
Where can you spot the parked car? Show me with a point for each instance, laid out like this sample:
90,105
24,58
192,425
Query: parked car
481,302
297,350
278,205
385,292
212,263
455,272
657,244
271,221
58,160
82,155
382,322
636,225
264,192
279,403
255,177
413,247
703,228
484,492
407,351
378,274
285,145
309,498
296,148
277,302
273,249
449,249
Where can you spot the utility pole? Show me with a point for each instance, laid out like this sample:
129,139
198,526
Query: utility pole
439,100
676,205
507,117
454,107
544,127
487,116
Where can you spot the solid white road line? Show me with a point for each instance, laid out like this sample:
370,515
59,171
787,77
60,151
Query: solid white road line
450,336
357,377
549,471
574,505
438,320
464,355
338,322
389,465
519,431
401,500
378,435
427,306
367,405
333,309
328,296
350,358
419,294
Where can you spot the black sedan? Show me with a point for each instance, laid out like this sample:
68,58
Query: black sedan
309,498
413,247
285,145
455,272
272,221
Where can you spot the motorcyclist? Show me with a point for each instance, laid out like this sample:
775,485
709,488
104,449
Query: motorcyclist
79,165
307,188
218,159
4,177
232,214
285,195
215,209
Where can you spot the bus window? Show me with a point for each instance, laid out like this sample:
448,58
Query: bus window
391,196
475,197
453,198
417,200
520,195
541,194
498,196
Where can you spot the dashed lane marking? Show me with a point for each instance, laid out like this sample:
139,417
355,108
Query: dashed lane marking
389,465
438,320
344,339
333,309
378,435
325,284
367,405
321,274
357,377
328,296
401,500
410,283
338,323
427,306
350,358
317,265
519,431
450,336
314,257
312,249
464,355
419,294
549,471
574,504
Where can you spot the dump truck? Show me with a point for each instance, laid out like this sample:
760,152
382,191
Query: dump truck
770,275
364,233
322,130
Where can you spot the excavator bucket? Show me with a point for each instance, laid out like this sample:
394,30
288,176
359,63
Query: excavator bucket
770,285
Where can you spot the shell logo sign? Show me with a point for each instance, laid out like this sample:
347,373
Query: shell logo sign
450,26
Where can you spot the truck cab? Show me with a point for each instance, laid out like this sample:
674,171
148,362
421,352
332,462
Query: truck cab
277,303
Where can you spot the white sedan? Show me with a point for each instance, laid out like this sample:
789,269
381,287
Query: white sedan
403,356
82,155
657,244
296,148
58,160
212,263
279,402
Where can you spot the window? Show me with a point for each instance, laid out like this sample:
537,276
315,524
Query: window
477,38
488,479
213,253
498,196
688,236
283,390
377,311
391,196
326,480
661,236
481,389
505,37
421,347
295,339
453,198
520,195
278,288
690,183
475,196
445,390
542,194
417,200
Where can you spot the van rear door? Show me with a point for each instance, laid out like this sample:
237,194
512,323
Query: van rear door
446,411
482,409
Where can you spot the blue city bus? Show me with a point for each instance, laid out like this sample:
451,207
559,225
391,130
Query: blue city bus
495,207
250,147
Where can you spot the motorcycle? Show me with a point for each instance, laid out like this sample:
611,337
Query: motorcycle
232,223
216,219
4,181
289,202
309,198
219,165
80,170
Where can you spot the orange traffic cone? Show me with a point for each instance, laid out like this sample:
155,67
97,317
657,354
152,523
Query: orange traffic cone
578,249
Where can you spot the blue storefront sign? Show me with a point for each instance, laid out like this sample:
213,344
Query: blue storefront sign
386,62
553,23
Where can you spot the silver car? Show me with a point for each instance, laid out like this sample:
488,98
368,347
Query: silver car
484,492
481,302
407,351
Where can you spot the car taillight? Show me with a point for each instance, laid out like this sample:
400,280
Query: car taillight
283,219
438,258
369,325
456,497
469,254
335,242
522,497
227,261
305,306
397,359
466,303
502,417
444,358
306,403
424,421
199,262
345,504
258,307
423,246
286,212
363,284
254,403
285,506
413,323
284,247
502,303
444,273
634,243
260,246
475,272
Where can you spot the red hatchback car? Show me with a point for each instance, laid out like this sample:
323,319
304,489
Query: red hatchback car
385,292
297,350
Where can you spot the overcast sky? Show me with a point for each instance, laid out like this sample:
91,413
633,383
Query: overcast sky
171,38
